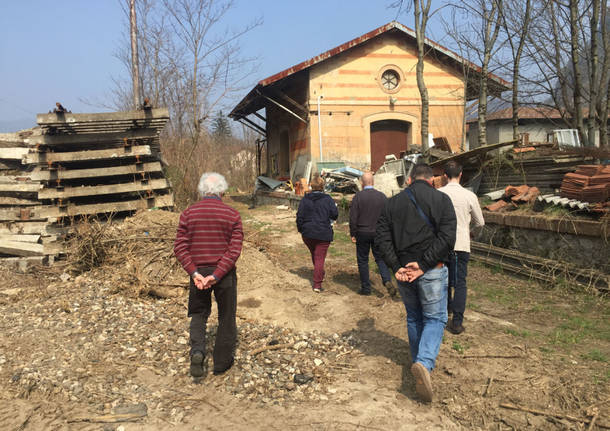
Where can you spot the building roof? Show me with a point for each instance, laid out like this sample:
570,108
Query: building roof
525,112
253,100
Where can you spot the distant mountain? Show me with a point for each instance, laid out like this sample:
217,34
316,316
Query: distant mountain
7,126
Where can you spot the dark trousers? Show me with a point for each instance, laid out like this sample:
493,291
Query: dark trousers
458,270
364,243
318,250
199,308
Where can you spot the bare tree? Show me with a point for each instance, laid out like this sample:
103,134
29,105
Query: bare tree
421,9
135,74
516,21
190,61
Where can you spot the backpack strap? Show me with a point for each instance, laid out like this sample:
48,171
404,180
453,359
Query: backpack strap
421,212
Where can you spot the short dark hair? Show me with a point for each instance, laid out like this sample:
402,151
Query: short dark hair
422,170
453,169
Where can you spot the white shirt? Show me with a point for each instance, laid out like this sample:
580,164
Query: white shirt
467,208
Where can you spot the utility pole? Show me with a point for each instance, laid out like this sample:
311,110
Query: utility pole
135,73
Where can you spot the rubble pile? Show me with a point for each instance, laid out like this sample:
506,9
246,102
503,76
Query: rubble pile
302,368
110,350
512,197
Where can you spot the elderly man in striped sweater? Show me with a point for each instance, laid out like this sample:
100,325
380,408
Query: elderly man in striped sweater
208,243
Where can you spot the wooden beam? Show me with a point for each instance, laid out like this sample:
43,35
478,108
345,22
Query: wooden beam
134,186
110,207
98,138
69,118
113,153
61,174
13,153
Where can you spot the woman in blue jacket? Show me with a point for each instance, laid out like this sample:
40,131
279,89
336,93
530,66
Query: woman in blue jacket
314,216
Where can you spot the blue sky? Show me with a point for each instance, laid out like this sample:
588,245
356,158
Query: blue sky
63,50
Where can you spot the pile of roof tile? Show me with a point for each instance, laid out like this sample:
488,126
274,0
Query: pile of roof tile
513,196
590,183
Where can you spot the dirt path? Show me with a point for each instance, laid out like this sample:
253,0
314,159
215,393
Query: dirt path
79,348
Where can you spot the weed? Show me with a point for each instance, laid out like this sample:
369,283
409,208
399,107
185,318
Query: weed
545,349
595,355
517,333
458,347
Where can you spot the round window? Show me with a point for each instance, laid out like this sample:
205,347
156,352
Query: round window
390,80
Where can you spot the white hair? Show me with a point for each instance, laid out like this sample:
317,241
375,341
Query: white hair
212,183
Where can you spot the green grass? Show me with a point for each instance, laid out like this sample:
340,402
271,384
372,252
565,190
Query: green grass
595,355
518,333
342,237
459,347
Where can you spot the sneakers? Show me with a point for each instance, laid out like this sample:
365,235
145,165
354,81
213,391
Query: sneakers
318,289
391,288
455,329
423,383
364,292
197,364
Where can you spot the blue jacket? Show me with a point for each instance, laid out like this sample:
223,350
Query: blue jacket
315,212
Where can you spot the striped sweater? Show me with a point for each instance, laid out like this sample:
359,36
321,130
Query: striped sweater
209,234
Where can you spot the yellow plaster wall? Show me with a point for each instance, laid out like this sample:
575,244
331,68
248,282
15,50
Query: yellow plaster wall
353,98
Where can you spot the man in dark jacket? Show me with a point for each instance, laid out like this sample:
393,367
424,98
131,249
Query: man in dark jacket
363,214
314,216
415,233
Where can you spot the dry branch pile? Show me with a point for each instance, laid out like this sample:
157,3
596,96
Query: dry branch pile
136,253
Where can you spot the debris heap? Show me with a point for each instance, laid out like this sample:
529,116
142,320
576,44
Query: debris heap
77,165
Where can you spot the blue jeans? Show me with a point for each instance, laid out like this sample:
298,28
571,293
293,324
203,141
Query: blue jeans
458,270
426,303
364,243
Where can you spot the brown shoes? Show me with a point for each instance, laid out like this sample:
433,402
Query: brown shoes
423,383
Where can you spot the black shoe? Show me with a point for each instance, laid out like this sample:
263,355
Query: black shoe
364,292
197,364
391,288
224,370
455,329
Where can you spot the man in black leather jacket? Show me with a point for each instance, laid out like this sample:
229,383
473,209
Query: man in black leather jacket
415,233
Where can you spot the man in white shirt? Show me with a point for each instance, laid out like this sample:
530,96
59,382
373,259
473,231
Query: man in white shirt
467,210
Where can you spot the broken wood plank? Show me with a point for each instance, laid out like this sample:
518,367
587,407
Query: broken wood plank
63,174
111,207
13,153
121,152
135,186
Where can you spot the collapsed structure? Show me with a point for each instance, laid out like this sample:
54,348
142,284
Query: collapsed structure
75,165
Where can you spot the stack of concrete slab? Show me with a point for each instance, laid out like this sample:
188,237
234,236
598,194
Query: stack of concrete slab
75,165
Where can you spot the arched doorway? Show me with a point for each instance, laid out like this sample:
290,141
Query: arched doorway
388,137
